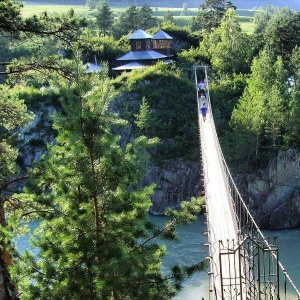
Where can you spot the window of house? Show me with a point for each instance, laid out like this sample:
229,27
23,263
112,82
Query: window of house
138,45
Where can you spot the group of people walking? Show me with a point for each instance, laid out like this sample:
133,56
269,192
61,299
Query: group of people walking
203,101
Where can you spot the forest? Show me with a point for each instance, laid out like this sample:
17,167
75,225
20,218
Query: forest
89,155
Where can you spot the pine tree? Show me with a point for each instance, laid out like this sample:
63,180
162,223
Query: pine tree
127,22
227,47
13,115
145,18
210,14
95,240
143,119
104,18
260,111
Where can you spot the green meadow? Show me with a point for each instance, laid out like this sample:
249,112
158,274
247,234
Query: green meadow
180,18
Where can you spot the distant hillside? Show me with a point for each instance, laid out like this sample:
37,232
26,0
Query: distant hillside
249,4
241,4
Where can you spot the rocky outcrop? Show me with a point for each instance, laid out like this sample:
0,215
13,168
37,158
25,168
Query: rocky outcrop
34,138
273,197
176,180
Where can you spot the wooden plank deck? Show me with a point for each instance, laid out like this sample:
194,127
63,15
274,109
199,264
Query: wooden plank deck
222,224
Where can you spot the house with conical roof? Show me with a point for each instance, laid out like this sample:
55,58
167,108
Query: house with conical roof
146,50
162,42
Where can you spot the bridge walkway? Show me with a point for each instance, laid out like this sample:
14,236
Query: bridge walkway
222,225
243,264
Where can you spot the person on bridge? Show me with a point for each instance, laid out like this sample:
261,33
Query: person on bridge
203,111
202,99
201,87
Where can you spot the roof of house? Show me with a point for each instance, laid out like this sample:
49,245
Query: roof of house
142,55
129,66
161,35
140,34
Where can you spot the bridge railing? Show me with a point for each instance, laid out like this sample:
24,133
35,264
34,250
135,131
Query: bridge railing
258,255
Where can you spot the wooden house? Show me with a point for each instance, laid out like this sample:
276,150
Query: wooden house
146,50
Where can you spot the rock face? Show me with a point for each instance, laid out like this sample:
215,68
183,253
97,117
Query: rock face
34,138
176,180
273,197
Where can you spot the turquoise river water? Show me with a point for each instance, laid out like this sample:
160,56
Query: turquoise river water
190,250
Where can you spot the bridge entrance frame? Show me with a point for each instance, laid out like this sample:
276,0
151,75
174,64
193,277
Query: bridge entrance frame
257,276
252,259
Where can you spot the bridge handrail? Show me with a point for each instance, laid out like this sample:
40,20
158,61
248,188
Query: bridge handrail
232,183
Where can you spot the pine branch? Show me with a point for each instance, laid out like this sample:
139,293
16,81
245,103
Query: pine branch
7,184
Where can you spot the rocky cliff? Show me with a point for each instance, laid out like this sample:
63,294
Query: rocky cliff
273,196
176,180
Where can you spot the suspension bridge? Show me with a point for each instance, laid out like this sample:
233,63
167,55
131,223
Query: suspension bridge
244,264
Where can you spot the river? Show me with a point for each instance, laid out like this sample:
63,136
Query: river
190,250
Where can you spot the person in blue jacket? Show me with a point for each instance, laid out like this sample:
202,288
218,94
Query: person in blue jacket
203,111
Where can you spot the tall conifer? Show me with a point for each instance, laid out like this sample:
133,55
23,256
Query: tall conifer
90,239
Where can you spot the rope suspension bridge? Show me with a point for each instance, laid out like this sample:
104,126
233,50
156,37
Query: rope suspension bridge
244,264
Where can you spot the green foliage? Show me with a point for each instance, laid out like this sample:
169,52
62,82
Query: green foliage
210,14
38,42
171,99
179,273
282,31
97,215
103,48
225,93
168,17
10,16
292,120
104,18
13,115
143,119
259,118
261,19
227,47
145,18
188,211
126,22
44,30
189,57
134,18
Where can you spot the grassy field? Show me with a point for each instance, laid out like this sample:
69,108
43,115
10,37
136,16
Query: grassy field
31,8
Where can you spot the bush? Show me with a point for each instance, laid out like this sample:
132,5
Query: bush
172,100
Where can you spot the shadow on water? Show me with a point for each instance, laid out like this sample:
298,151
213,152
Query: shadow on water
188,251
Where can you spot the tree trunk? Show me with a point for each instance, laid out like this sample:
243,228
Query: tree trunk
7,289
